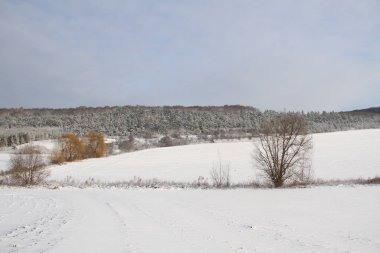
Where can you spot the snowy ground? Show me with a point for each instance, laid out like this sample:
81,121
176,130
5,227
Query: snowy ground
317,219
4,160
338,155
320,219
46,146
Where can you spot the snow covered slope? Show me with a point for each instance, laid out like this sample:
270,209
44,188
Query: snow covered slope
4,160
320,219
338,155
46,146
317,219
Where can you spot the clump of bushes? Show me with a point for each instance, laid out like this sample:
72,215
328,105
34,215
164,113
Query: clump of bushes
174,139
72,147
166,141
127,145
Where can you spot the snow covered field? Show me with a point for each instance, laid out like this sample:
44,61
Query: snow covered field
316,219
338,155
319,219
4,160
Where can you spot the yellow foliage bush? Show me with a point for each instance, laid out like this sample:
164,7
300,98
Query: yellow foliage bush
72,148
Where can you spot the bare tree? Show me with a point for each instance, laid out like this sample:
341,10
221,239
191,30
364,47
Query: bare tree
220,173
27,166
283,150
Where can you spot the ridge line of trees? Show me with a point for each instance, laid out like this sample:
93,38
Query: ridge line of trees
141,121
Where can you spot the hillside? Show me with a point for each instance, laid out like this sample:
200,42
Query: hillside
370,110
338,155
340,218
18,126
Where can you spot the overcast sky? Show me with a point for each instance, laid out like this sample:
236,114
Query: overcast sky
282,55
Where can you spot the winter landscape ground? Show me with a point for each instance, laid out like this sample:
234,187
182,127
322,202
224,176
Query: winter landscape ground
341,218
320,219
338,155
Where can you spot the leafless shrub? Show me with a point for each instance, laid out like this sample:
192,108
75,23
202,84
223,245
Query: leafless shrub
69,181
283,150
352,181
375,180
128,145
166,141
200,183
27,167
220,173
4,178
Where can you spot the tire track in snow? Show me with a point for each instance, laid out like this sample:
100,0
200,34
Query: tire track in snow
158,235
129,246
181,224
96,226
218,221
185,223
140,221
34,230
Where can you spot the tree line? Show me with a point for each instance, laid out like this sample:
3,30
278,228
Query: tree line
11,137
143,121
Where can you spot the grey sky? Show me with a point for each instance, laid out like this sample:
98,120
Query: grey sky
285,54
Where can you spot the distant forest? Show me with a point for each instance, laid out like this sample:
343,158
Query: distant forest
20,125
